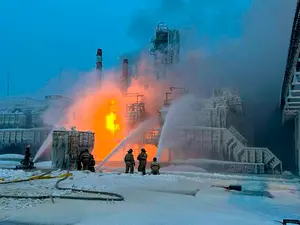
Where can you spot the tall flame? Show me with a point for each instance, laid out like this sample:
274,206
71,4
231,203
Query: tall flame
111,119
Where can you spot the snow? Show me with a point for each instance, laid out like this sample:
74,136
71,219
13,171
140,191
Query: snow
9,164
186,168
162,199
43,165
9,161
11,156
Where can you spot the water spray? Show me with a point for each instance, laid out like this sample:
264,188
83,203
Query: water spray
142,127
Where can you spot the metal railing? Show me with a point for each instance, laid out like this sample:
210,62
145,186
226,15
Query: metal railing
238,135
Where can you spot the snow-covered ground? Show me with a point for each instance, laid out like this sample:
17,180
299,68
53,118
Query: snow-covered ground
163,199
10,161
11,156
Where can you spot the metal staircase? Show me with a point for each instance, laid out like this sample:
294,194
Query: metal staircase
234,146
209,134
237,150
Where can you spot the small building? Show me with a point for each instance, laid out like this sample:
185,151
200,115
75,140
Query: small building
67,145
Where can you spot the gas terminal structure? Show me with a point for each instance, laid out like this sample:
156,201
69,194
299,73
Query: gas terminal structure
212,142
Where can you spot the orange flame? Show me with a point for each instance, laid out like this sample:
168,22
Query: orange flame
111,118
101,107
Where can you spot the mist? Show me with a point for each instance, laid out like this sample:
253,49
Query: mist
236,43
241,44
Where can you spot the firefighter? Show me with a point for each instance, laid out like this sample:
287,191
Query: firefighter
142,157
155,167
79,165
92,164
85,159
129,161
27,162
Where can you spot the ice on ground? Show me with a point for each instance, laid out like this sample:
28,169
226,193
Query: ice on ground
9,161
43,165
8,164
152,200
11,156
186,168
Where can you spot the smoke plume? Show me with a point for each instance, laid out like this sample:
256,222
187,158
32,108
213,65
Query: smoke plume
240,44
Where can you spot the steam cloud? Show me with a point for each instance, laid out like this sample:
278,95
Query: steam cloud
238,44
235,43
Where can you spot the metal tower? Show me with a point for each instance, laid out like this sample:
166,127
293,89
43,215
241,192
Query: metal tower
166,49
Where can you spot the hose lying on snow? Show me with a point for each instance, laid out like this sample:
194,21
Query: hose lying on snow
113,196
28,179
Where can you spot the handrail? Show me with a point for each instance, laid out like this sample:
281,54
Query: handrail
238,135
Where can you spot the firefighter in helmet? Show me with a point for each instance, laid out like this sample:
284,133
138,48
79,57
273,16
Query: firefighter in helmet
155,167
27,162
85,159
79,165
129,161
92,164
142,158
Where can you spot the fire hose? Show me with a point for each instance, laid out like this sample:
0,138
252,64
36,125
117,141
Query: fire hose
112,196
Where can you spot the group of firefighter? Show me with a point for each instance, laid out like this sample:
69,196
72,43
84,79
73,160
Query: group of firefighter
86,161
142,158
